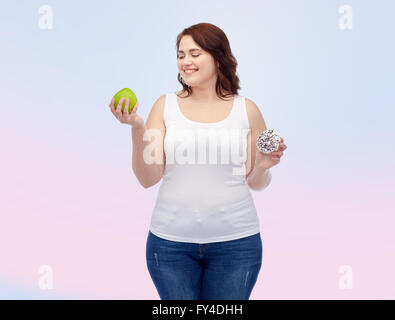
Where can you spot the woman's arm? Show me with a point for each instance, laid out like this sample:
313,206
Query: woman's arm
258,178
149,170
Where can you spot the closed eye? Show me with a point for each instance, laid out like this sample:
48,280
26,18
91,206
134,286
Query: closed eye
196,55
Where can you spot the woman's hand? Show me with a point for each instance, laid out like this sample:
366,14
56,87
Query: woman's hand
131,118
268,160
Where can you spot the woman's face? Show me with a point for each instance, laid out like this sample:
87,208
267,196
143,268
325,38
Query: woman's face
195,59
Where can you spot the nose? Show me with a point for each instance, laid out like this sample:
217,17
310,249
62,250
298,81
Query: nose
186,62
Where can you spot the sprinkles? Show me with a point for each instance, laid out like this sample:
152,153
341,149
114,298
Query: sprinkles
268,141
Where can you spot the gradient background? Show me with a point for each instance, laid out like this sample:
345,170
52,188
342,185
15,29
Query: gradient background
69,198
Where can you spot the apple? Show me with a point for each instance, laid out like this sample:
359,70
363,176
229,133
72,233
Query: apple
125,93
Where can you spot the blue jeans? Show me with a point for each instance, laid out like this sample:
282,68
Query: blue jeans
225,270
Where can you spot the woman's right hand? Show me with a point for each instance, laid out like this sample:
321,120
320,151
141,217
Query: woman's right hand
131,118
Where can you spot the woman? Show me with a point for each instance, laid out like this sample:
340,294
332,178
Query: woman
204,240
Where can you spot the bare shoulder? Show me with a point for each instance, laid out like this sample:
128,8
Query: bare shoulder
255,117
159,105
155,117
160,102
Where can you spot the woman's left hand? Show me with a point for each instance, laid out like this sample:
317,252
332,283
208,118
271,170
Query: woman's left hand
268,160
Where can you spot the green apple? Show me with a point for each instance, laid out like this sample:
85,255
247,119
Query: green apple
125,93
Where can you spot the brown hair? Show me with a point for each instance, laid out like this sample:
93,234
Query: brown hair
213,40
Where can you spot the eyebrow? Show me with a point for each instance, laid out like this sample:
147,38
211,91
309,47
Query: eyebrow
195,49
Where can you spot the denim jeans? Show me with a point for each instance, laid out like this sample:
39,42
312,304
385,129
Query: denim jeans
225,270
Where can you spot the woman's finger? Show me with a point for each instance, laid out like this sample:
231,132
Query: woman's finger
134,110
276,153
282,147
119,106
112,107
125,108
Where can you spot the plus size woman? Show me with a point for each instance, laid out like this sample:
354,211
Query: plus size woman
204,240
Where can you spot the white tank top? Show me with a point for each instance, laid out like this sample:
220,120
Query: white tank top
204,196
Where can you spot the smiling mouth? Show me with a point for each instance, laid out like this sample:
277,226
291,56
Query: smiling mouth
190,72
